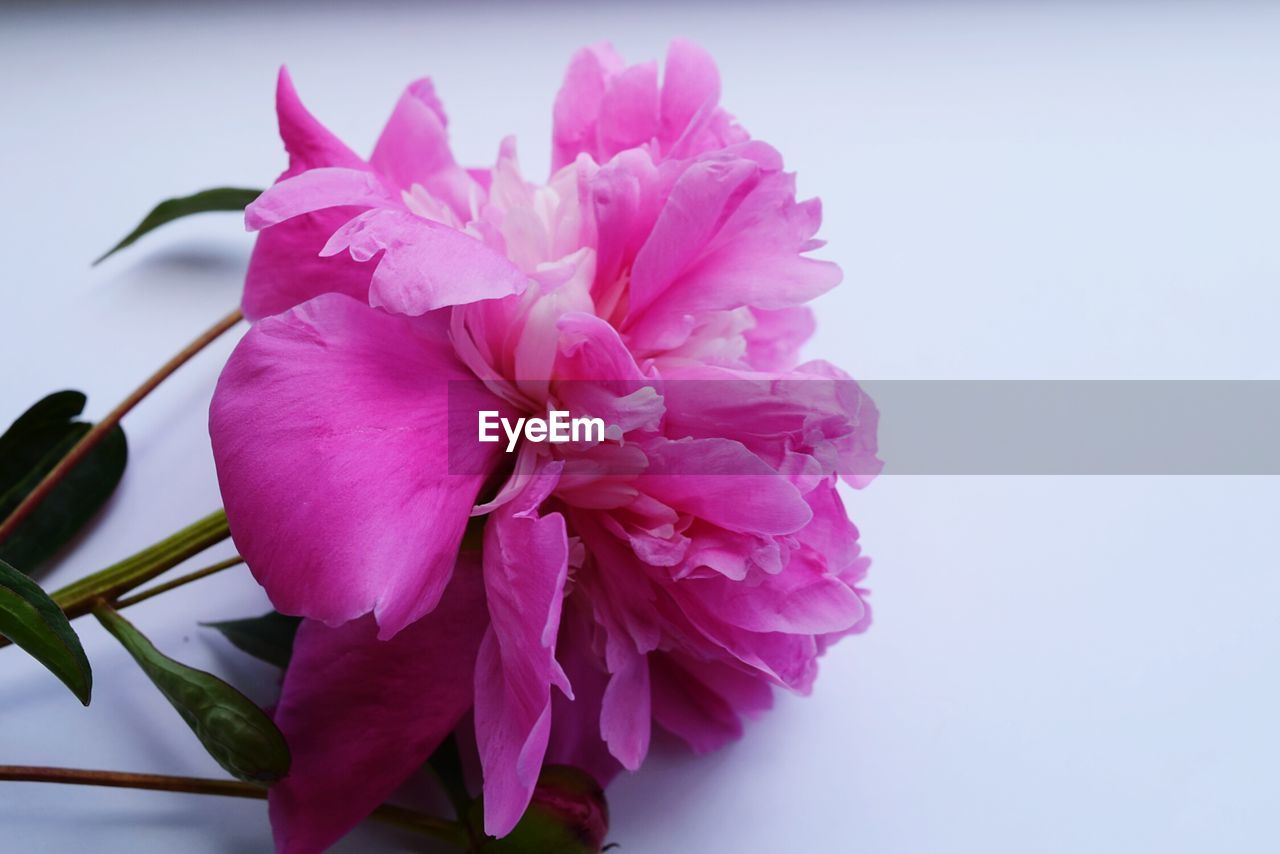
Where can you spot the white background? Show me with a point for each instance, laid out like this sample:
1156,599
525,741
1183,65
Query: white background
1060,191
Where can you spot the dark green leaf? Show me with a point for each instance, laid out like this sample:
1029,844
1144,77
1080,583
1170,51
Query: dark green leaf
219,199
73,502
231,727
30,619
568,815
36,432
269,637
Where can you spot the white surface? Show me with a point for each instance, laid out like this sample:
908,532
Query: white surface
1064,191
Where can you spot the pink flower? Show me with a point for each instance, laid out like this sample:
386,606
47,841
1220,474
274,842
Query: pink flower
671,573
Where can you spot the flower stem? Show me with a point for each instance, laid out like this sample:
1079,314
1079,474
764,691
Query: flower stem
79,597
178,582
399,816
99,431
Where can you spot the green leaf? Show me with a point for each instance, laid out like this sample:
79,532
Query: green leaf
269,637
36,432
29,449
30,619
231,727
568,815
219,199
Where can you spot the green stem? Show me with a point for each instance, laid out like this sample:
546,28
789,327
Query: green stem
178,582
440,828
78,598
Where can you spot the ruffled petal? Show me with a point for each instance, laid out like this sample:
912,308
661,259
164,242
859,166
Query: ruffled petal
426,265
625,710
801,599
414,149
597,376
525,567
774,343
362,714
719,480
703,702
575,721
577,104
330,433
310,144
314,190
285,268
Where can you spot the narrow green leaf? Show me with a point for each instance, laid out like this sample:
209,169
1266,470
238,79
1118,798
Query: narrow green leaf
231,727
219,199
567,815
269,637
30,619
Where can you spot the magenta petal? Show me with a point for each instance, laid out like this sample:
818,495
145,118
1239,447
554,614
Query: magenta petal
704,197
801,599
414,149
577,105
286,268
690,85
629,110
624,714
329,429
309,143
314,190
362,714
774,343
575,723
598,376
719,480
703,702
525,566
426,265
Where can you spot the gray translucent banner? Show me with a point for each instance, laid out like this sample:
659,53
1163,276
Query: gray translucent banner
1004,427
1137,427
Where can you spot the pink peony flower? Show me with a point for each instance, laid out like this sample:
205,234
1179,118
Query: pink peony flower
671,573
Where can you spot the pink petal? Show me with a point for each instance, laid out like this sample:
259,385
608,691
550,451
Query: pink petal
598,376
722,482
329,429
703,702
730,235
427,265
629,110
801,599
624,714
285,268
690,85
774,343
577,105
525,566
625,201
575,721
310,144
362,714
704,197
414,149
314,190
